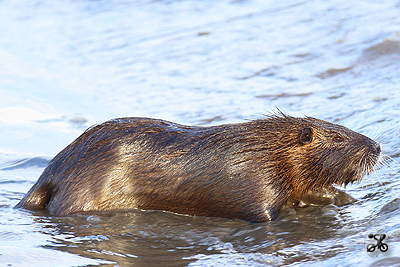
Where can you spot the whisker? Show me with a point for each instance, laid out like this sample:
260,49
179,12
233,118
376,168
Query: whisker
379,135
374,168
389,128
387,162
365,168
384,162
389,157
368,169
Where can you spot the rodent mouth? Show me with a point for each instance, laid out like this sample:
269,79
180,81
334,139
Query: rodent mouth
354,168
366,165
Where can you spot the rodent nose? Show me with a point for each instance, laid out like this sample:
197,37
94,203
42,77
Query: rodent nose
373,146
376,148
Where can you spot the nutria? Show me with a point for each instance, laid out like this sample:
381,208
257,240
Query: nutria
241,171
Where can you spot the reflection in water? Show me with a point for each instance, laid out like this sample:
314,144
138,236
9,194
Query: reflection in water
160,238
69,64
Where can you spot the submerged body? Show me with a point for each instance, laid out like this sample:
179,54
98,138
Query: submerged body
242,171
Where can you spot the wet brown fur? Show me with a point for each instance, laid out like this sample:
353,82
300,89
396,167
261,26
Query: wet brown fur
244,171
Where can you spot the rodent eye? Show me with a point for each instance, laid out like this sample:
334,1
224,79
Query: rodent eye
306,136
338,139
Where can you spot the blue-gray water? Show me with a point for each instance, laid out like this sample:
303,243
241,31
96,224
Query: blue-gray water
65,65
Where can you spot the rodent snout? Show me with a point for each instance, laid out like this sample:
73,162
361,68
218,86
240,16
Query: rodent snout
375,148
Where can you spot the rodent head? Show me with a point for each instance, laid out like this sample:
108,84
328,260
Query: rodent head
314,153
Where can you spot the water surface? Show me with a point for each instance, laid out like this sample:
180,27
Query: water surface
66,65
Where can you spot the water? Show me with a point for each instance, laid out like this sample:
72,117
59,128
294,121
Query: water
66,65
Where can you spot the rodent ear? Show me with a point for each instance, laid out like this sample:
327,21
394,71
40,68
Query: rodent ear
306,136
